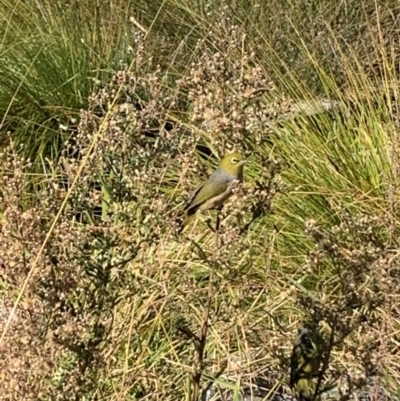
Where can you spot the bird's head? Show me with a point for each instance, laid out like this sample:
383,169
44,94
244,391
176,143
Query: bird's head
232,164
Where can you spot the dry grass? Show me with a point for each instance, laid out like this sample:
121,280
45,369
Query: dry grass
110,302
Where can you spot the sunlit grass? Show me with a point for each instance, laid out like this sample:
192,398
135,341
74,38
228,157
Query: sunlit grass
117,274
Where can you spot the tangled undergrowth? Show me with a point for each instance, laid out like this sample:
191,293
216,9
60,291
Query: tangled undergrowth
111,302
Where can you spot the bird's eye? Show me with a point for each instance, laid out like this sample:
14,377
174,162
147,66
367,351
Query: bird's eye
234,160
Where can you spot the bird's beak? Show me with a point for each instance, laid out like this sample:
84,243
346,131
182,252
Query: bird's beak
242,162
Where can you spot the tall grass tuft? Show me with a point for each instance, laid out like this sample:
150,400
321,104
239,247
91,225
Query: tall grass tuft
102,297
53,54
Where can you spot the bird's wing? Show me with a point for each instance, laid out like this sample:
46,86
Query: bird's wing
192,196
202,193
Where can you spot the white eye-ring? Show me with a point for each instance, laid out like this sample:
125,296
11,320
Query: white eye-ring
234,160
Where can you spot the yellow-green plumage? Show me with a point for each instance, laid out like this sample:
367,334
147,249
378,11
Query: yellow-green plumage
215,191
305,361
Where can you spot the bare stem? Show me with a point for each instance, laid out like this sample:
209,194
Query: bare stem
205,324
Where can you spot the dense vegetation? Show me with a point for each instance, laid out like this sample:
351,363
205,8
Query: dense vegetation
112,112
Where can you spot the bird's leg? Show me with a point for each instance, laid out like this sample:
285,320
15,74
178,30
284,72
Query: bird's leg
209,225
239,222
208,222
217,221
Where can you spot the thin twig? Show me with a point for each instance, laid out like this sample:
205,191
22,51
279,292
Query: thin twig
215,376
204,328
325,363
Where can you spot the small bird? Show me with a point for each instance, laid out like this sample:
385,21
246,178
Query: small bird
305,361
216,190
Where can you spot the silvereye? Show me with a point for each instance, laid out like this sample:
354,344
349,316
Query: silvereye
215,191
305,360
